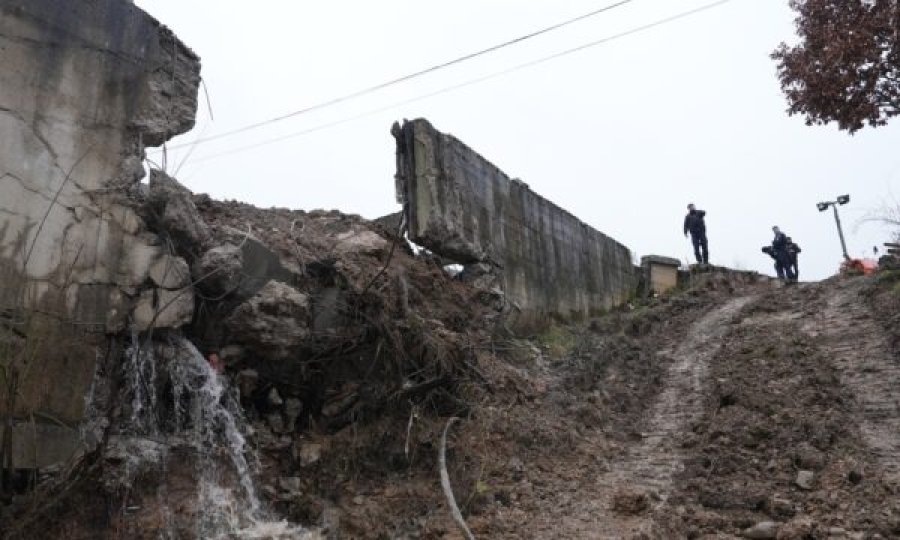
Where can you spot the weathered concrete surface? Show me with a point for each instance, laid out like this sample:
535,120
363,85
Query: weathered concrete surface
85,85
660,273
461,206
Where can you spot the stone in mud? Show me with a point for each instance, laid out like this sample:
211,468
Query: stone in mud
292,409
805,480
799,528
307,453
629,502
765,530
274,398
274,322
808,457
780,507
276,422
247,381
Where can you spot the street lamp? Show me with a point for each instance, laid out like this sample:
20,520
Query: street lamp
823,206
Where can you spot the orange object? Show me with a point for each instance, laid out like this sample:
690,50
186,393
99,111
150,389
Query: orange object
859,266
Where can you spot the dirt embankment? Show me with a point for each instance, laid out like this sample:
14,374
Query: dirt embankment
735,409
732,408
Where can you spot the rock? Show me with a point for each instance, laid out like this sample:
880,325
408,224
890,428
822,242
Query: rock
247,381
159,308
231,355
799,528
275,421
170,272
274,322
290,484
274,398
172,212
805,480
219,271
480,276
292,409
807,457
307,453
780,507
762,531
629,502
517,467
365,242
340,402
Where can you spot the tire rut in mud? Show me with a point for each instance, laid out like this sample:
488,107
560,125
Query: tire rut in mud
859,350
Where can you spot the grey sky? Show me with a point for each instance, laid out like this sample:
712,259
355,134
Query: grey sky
623,135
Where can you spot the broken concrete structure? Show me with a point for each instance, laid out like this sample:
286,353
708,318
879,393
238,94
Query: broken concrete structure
660,274
84,88
461,206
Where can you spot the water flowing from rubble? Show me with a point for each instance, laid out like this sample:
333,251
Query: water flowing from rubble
202,414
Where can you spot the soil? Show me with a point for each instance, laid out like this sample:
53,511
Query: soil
733,403
697,416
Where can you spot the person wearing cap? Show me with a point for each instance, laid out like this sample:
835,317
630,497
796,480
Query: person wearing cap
695,224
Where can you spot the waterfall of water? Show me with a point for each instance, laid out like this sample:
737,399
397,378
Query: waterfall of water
201,413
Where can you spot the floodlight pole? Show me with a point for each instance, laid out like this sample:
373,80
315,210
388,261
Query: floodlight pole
837,219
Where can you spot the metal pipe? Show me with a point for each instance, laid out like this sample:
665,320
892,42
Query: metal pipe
837,219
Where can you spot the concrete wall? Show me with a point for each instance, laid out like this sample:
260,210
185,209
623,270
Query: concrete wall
461,206
85,85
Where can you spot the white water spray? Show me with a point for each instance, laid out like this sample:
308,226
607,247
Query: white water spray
207,418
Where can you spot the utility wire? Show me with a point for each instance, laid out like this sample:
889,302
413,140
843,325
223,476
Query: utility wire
470,82
408,77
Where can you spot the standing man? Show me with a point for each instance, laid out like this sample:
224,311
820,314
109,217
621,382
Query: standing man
694,224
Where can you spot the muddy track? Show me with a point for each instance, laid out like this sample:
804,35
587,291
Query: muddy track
648,466
859,350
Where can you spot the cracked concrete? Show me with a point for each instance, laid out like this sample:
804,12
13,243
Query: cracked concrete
104,80
463,207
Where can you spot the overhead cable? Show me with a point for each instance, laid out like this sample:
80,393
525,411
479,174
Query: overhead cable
405,78
470,82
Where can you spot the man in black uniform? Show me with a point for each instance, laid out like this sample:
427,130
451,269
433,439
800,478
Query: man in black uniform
694,224
781,255
792,251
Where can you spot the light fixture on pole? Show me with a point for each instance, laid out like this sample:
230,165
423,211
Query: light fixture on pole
823,206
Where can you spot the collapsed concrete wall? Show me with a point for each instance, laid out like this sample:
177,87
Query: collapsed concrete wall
461,206
84,87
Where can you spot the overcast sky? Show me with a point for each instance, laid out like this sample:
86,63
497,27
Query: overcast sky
623,135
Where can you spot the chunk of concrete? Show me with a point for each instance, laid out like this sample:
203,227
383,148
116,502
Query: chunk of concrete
220,270
170,272
275,320
161,308
172,211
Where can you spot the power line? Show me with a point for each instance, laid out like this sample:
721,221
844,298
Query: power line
408,77
471,82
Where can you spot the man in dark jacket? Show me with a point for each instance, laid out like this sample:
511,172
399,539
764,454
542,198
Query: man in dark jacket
694,224
792,251
781,256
